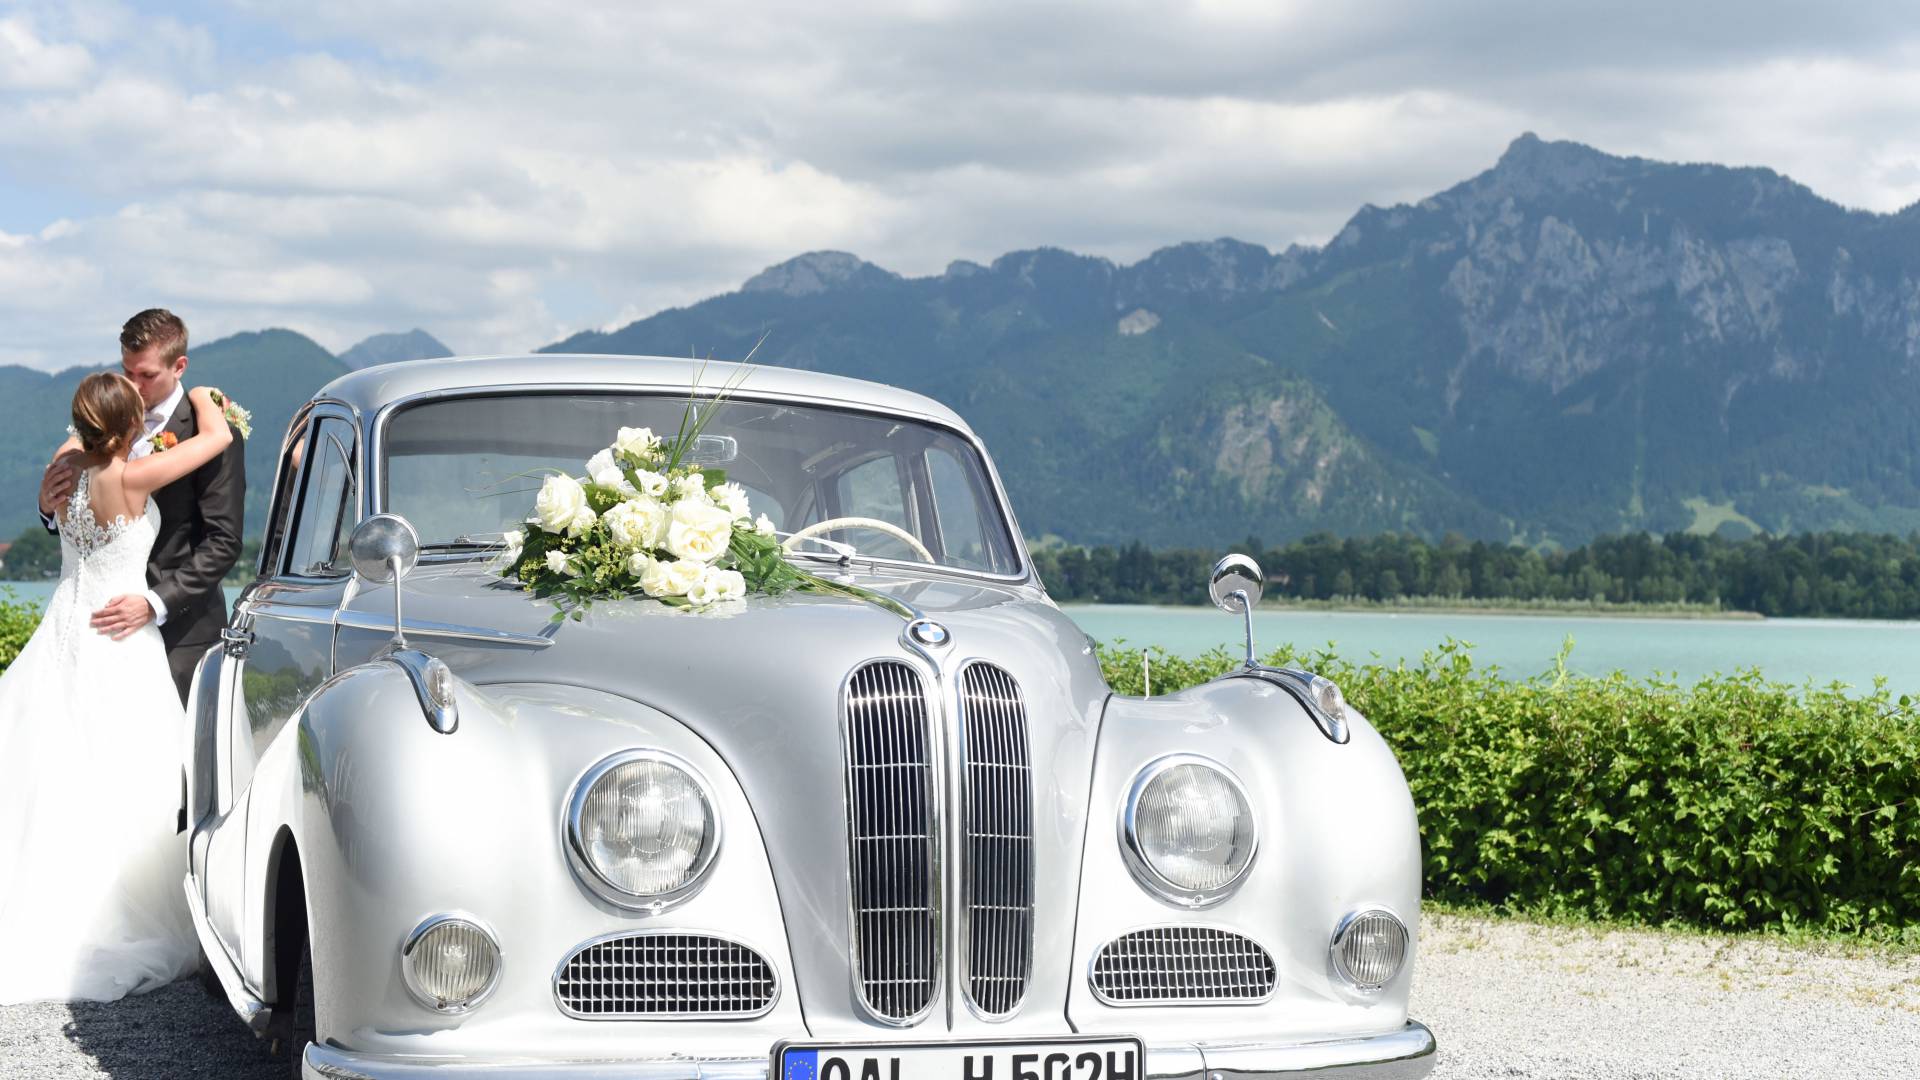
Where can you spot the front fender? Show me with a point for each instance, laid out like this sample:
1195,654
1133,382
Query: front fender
1337,834
397,822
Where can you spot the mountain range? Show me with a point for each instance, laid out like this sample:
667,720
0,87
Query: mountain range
1569,344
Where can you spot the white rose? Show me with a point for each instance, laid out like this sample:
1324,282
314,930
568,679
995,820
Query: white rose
763,525
516,542
732,498
665,578
606,472
698,531
557,562
717,585
691,486
638,523
638,441
727,584
652,484
562,506
639,563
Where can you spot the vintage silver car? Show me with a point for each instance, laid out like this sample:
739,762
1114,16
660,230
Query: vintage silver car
908,834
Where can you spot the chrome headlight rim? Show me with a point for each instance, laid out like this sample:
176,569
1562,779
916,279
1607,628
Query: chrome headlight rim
411,978
1336,955
583,868
1142,867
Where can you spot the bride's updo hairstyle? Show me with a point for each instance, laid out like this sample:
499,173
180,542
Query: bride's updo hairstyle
107,410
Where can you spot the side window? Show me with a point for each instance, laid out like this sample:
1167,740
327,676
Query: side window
274,543
326,503
873,490
956,506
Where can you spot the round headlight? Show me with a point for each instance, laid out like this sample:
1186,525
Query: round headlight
1368,948
451,963
641,826
1188,830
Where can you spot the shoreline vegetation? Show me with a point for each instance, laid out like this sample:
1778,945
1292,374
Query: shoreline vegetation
1438,605
1813,575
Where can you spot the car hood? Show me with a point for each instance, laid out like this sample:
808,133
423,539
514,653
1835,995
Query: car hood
760,681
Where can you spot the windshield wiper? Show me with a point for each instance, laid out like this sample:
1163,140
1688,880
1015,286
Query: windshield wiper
842,553
464,543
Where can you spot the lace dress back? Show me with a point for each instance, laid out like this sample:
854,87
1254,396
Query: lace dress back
91,731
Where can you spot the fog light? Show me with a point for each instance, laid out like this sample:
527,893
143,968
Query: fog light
1368,949
451,963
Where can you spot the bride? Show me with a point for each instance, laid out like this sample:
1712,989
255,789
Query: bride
91,907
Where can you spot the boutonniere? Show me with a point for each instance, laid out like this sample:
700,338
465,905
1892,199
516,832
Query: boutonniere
166,440
240,419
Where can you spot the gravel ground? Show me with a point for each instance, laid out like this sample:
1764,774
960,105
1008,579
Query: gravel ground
1506,999
1515,999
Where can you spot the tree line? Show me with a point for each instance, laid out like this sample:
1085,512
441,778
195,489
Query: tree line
1838,575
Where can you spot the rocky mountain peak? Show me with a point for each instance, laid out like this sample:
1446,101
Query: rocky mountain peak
817,272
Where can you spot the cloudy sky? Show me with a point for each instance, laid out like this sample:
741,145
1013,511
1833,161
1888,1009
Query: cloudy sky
503,173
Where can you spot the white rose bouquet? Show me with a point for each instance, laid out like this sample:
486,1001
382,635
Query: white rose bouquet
644,522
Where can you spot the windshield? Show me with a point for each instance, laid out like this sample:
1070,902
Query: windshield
464,470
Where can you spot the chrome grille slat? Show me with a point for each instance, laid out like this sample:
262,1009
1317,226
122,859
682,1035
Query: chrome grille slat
1185,964
891,839
665,976
998,872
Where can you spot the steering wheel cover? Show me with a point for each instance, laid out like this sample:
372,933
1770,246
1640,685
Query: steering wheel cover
876,524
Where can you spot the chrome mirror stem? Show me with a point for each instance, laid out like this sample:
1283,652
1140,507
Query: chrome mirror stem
1246,610
399,632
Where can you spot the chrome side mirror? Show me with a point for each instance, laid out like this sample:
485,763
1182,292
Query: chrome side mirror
385,548
1235,586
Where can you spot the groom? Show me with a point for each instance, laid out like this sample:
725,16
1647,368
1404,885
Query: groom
200,514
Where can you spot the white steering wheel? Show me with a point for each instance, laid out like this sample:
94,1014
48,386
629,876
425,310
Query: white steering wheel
877,525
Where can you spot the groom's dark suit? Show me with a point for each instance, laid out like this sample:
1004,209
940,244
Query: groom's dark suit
199,541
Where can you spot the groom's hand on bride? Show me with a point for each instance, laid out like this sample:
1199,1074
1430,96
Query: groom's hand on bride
123,615
56,484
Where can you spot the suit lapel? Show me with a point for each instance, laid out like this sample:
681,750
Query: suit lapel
181,422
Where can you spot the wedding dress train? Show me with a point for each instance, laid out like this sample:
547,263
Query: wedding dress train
91,907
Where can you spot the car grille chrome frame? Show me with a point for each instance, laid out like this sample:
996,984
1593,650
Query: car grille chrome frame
1183,965
997,867
893,840
665,975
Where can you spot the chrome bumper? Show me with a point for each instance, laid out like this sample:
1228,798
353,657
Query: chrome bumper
1407,1054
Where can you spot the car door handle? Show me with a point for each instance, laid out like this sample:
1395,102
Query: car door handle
236,642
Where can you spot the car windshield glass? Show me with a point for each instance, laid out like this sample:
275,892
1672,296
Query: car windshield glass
464,470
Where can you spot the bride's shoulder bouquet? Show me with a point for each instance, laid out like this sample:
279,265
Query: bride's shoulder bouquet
645,521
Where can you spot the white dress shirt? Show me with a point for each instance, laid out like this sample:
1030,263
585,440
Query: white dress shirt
156,419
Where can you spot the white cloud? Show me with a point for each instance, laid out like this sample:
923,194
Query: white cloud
509,175
29,63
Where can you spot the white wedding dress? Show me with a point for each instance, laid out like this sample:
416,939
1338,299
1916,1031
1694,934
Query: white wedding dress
91,907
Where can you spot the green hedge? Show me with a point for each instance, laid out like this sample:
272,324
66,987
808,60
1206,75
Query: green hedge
17,619
1732,804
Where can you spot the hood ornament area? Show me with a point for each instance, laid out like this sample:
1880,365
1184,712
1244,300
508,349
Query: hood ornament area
922,635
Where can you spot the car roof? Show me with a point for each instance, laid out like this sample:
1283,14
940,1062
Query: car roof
369,389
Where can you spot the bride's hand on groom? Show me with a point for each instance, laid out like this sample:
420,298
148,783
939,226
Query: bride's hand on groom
123,615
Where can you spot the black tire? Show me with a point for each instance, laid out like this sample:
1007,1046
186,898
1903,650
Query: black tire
209,982
294,1029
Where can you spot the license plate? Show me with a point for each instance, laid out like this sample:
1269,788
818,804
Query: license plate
1097,1058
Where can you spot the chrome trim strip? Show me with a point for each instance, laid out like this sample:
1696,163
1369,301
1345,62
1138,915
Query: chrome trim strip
251,1009
1100,994
773,997
361,620
1136,859
1298,683
1405,1053
575,845
899,696
314,615
1023,572
411,979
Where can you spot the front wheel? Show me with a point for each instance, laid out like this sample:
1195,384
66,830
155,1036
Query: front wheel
293,1030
